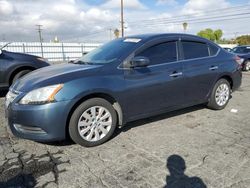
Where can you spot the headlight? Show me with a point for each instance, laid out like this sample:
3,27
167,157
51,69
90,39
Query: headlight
42,95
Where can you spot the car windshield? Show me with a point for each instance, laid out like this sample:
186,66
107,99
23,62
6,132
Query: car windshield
242,50
109,52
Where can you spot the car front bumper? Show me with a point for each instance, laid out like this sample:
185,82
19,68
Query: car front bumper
43,123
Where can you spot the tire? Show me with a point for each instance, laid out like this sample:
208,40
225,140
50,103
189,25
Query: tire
214,102
19,75
91,124
246,65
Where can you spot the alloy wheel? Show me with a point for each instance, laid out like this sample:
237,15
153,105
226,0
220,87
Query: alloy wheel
94,123
222,94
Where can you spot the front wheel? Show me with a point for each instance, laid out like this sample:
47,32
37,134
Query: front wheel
93,122
220,95
19,75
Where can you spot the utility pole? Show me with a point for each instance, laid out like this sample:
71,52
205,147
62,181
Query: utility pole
39,29
122,20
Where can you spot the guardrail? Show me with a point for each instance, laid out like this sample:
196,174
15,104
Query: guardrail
52,51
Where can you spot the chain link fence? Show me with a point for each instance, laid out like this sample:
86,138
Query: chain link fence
52,51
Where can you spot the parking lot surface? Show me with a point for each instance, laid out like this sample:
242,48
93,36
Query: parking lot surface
195,147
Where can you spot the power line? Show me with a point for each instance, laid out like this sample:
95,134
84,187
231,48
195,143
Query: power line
219,11
179,22
205,21
231,13
93,33
166,21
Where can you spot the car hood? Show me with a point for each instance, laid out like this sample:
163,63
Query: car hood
19,56
55,74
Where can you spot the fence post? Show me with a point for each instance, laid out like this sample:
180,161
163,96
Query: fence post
82,48
23,48
63,54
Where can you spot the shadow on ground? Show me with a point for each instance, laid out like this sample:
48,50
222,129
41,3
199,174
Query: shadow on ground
158,118
177,177
134,124
66,142
20,181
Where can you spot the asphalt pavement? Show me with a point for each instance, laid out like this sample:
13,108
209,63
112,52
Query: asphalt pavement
195,147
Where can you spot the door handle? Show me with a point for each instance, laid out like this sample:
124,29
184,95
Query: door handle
213,68
176,74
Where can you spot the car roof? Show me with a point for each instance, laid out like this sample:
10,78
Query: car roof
158,35
152,36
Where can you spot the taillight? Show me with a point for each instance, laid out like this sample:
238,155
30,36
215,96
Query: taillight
239,61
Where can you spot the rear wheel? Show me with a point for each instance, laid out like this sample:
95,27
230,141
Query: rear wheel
220,95
19,75
247,65
93,122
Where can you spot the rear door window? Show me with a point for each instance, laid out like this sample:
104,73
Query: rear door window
213,49
161,53
193,50
242,50
247,49
238,50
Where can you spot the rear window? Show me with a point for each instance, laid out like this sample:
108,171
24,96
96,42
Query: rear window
192,50
242,50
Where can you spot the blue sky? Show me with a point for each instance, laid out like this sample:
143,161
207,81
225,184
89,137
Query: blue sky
153,3
168,6
91,20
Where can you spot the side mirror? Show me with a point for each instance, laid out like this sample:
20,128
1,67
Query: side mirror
139,61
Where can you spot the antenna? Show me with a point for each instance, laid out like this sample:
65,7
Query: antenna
5,45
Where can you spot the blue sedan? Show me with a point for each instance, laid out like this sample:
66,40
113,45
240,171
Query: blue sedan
15,65
124,80
244,53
